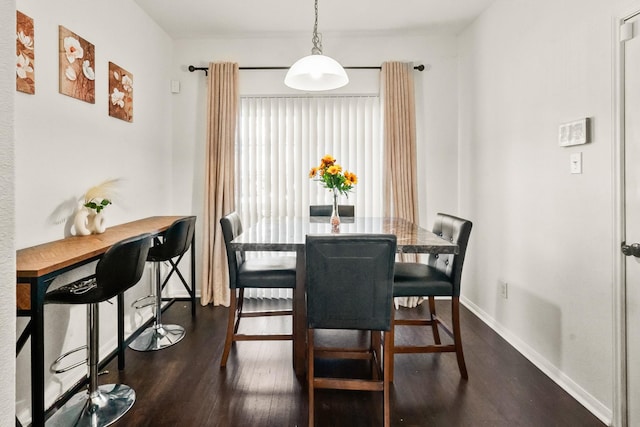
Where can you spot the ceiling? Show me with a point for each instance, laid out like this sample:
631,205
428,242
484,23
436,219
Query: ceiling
205,18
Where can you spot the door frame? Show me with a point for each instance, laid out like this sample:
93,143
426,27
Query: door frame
620,394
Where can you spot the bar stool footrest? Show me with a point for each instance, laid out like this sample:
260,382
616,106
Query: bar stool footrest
54,366
135,304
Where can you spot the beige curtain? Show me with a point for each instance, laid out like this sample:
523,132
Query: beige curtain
400,194
222,113
400,191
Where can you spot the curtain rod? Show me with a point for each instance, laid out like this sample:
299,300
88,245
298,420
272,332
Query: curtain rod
206,69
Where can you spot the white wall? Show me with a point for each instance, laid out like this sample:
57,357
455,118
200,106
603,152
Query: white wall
525,67
488,112
64,146
7,205
436,99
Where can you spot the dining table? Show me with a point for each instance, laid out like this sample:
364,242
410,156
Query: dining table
288,234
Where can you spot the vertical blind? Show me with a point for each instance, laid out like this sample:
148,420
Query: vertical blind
279,139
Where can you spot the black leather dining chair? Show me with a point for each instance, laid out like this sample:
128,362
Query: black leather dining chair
349,286
120,268
326,210
275,272
439,277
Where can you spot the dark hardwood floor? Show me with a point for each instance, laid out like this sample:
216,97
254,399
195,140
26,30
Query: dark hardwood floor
184,386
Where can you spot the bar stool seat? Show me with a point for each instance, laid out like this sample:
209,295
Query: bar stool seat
120,268
176,242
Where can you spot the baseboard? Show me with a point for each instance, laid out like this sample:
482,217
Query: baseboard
592,404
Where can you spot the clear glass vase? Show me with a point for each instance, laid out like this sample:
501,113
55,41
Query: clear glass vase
335,216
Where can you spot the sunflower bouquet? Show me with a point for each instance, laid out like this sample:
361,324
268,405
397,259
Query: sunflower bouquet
331,176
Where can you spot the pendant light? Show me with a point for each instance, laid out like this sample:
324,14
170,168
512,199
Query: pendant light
316,72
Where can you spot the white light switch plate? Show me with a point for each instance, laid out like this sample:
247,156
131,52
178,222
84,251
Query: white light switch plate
576,162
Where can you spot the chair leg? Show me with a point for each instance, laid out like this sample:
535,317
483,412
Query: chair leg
375,340
310,376
455,317
239,306
379,381
389,343
231,322
454,332
387,364
434,320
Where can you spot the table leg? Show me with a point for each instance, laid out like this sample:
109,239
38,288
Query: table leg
38,289
300,316
121,341
193,276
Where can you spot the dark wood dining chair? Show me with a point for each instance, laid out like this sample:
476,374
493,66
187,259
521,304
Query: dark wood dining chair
349,286
439,277
274,272
325,210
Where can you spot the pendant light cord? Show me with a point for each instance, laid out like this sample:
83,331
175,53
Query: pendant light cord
315,50
317,44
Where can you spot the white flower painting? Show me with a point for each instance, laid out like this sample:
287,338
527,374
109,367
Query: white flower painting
77,65
25,54
120,93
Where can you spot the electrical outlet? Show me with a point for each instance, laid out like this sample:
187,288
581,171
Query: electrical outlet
503,289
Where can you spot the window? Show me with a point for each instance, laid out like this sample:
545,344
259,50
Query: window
281,138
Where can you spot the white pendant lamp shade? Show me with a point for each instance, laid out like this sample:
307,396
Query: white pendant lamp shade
315,73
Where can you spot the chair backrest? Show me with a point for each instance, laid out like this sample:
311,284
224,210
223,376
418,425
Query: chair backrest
177,239
458,231
120,268
350,281
231,225
122,265
325,210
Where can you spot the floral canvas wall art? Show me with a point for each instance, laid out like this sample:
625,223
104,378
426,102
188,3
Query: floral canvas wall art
120,93
25,54
77,65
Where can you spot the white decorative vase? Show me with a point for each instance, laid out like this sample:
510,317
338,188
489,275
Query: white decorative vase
87,221
97,223
81,222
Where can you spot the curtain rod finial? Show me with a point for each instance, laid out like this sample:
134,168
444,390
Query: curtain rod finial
191,69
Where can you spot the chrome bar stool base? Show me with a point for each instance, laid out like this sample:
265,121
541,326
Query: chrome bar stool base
107,405
158,337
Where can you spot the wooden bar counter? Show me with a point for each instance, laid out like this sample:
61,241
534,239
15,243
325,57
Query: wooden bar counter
38,266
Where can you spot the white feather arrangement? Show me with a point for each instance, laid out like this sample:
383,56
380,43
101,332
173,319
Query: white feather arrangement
101,195
88,218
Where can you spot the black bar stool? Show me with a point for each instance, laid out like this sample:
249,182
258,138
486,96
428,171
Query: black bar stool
119,268
177,240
